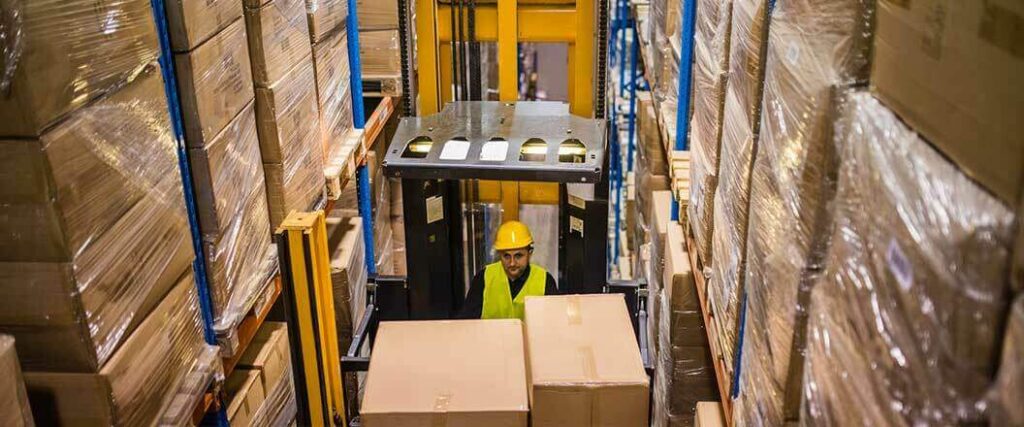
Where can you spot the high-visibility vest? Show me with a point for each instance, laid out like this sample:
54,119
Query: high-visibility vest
498,302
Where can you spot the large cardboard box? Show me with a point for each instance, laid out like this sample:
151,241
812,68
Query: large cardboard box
288,124
951,69
334,89
247,395
70,53
457,373
709,414
278,39
233,217
380,53
377,15
93,226
14,409
325,17
192,22
269,354
139,382
348,273
214,83
584,360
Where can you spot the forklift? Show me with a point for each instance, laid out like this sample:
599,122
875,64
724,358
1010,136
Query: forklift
465,166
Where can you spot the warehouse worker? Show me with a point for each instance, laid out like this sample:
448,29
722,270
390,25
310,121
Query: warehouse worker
499,291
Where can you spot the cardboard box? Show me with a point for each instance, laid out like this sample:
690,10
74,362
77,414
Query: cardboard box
138,381
278,39
246,393
192,22
709,414
334,89
678,280
377,15
93,228
348,273
1009,384
325,17
380,53
288,124
72,52
14,409
214,83
269,354
584,361
464,373
951,69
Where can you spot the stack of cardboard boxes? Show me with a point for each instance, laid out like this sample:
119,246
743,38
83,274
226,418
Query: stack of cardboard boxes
260,389
379,47
215,88
14,409
96,250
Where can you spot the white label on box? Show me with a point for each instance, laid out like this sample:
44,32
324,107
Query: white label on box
899,265
435,209
577,202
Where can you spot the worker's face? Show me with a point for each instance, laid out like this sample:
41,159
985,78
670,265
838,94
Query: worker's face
515,261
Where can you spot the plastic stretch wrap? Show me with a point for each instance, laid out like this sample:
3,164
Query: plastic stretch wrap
398,226
14,409
1008,392
278,39
279,407
739,143
664,69
192,22
325,16
330,57
214,83
348,274
710,68
377,15
383,233
904,326
380,53
141,381
233,217
93,228
58,55
813,47
289,131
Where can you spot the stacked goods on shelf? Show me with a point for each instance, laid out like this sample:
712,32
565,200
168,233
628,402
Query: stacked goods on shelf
683,371
377,15
465,372
14,409
740,122
921,47
215,88
581,349
287,112
143,382
334,95
1009,388
663,71
379,53
384,227
709,414
710,68
93,219
325,17
348,272
905,324
268,362
813,48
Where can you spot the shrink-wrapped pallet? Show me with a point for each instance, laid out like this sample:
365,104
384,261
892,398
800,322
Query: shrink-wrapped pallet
1008,392
710,69
905,324
14,409
740,123
325,17
214,83
380,53
813,47
93,226
278,39
233,218
288,124
149,379
334,94
57,56
348,274
192,22
377,15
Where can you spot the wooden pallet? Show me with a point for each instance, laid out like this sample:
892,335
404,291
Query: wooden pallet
382,86
722,373
340,169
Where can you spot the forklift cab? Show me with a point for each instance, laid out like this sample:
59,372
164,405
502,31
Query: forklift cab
464,171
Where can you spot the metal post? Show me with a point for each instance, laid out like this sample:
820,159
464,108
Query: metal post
364,193
622,53
632,100
355,66
685,82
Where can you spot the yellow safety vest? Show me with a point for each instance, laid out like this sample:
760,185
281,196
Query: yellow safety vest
498,302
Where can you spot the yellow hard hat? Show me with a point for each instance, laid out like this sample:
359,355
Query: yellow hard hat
512,235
